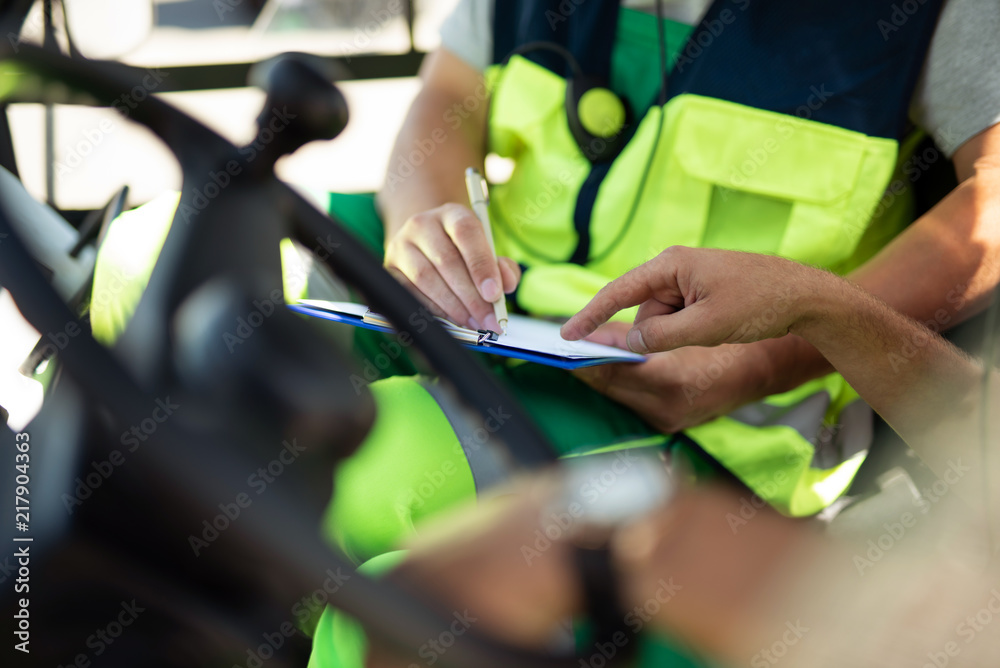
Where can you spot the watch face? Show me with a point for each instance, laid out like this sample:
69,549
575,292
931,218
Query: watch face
609,489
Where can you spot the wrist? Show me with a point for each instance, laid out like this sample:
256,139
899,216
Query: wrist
824,303
790,362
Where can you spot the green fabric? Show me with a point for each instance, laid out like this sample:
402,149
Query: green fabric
339,641
571,415
359,216
410,466
635,70
659,651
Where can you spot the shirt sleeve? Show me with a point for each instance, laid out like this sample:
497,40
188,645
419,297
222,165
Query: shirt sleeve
468,32
958,95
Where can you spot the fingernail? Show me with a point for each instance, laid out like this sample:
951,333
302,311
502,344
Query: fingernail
472,324
489,290
635,343
490,323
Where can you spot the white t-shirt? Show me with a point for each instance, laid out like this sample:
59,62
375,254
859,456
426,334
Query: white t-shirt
957,96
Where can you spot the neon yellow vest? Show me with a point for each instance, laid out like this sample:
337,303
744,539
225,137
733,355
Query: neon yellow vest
723,175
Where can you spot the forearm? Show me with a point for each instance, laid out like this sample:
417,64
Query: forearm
942,269
924,387
939,271
770,583
444,133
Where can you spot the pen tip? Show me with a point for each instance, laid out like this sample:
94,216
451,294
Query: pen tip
503,326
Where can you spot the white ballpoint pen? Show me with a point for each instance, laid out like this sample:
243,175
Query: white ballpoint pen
479,198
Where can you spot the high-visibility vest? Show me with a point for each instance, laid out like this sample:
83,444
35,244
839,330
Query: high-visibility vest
782,129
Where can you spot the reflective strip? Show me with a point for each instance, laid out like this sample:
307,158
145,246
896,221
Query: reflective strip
637,444
833,444
483,449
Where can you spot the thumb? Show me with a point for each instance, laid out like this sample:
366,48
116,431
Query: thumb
667,332
611,334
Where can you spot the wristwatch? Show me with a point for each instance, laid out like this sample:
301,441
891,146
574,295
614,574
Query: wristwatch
600,494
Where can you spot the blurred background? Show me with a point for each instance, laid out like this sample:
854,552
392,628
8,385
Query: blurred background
203,49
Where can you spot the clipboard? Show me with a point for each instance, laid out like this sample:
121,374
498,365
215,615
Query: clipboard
538,341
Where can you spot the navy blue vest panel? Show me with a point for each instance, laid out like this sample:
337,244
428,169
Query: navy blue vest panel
852,63
584,27
849,63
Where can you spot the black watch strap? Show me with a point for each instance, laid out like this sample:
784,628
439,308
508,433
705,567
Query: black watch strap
602,602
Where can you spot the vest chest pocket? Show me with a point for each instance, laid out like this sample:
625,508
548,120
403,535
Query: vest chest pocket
755,180
533,211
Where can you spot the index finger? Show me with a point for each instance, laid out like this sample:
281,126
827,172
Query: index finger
469,236
625,291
